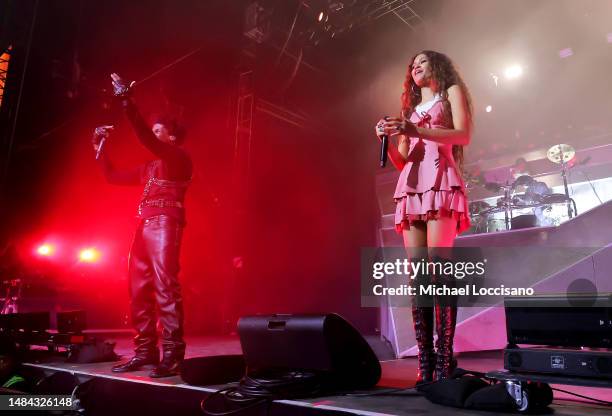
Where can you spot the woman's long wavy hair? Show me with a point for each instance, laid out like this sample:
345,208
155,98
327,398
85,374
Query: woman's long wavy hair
445,75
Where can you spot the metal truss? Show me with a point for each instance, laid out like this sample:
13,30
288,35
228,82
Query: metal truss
361,13
402,9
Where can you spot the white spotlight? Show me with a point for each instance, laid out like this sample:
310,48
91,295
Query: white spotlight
488,109
513,71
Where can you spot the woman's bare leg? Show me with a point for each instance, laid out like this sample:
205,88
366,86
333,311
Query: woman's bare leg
416,236
441,232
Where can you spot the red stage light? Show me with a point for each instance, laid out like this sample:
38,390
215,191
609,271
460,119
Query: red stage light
89,255
45,250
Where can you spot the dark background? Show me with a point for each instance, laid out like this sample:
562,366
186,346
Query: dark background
286,237
310,205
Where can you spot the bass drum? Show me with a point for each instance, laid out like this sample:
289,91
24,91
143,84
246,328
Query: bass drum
553,214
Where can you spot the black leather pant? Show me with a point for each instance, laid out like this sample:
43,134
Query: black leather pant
153,274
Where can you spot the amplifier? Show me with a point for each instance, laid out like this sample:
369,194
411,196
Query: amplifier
561,361
576,320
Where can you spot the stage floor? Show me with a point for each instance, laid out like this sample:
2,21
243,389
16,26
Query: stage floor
396,373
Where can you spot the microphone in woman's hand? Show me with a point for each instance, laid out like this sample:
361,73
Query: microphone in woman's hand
384,146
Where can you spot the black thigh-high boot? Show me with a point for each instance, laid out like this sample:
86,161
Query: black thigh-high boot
422,318
423,321
446,320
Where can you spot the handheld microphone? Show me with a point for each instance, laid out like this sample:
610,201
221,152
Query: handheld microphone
100,146
384,146
102,132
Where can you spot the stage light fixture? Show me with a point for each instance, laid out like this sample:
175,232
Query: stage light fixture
321,16
513,72
45,250
89,255
609,37
488,109
566,53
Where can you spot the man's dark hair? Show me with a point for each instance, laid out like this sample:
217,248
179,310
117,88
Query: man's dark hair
174,127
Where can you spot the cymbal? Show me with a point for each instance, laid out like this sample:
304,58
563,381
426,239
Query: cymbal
555,153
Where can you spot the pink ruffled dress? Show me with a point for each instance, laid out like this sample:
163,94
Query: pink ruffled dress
430,185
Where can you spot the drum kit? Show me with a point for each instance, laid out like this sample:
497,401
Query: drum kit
524,194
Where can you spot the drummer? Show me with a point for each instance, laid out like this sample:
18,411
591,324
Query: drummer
519,168
534,190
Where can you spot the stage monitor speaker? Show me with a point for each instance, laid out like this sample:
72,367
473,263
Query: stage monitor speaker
326,344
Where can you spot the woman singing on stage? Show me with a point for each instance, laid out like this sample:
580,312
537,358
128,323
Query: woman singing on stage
431,206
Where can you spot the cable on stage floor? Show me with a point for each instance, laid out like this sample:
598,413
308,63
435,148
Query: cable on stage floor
262,388
604,402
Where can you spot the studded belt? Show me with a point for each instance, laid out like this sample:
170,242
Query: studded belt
159,203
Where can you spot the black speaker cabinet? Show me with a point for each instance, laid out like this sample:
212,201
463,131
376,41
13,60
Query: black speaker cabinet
570,320
73,322
319,343
27,322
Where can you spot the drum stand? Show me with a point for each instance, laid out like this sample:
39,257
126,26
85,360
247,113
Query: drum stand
570,212
507,207
563,153
507,213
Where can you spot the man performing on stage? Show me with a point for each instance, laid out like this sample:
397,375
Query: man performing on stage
154,255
